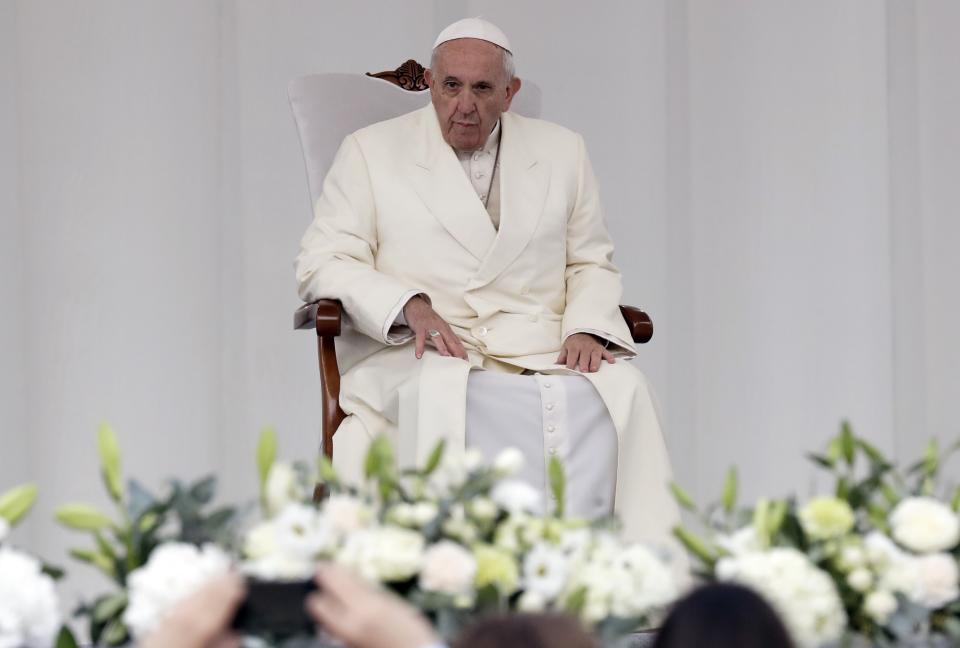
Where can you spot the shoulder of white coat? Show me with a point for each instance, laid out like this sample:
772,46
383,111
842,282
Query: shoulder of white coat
391,131
544,134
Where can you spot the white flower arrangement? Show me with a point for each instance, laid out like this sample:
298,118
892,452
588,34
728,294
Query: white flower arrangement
29,608
174,571
457,538
877,561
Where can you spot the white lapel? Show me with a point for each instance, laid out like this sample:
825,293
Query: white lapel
524,181
446,191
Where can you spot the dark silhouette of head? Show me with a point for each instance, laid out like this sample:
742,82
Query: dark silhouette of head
527,630
723,616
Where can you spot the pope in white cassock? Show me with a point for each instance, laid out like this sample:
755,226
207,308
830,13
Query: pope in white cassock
469,250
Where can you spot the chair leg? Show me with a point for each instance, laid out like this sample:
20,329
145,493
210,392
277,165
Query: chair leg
329,400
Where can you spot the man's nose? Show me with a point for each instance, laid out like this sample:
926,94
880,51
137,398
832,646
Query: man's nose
466,102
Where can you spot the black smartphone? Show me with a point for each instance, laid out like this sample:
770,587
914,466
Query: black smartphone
275,609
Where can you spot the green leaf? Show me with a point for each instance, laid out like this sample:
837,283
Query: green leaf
433,461
761,522
110,461
379,460
65,639
82,517
96,559
931,458
821,460
204,489
848,443
266,454
871,451
955,502
558,484
139,500
729,497
834,450
777,514
328,474
575,602
15,503
683,498
695,545
109,606
115,634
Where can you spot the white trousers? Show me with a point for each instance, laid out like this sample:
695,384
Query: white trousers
546,416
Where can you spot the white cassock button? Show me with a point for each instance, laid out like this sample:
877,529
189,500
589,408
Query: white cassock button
553,451
478,174
482,331
476,157
551,428
483,196
547,385
549,406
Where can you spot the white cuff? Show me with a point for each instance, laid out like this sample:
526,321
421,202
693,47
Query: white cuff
396,320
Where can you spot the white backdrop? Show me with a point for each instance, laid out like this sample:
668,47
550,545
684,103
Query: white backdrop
780,179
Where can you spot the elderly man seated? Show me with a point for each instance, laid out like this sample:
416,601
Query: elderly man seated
469,250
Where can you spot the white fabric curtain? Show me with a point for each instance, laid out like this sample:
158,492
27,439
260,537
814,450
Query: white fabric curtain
779,177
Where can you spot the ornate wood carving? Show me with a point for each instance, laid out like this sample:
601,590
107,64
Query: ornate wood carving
408,76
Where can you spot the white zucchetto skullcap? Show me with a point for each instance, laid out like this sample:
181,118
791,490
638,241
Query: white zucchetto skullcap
474,28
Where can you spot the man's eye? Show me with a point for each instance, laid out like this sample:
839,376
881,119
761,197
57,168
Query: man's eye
451,85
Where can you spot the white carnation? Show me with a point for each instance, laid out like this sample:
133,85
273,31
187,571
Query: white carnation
879,605
483,509
386,554
448,568
282,487
173,572
516,496
29,612
925,525
805,596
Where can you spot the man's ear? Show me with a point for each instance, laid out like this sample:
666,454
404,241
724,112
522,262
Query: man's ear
428,77
512,90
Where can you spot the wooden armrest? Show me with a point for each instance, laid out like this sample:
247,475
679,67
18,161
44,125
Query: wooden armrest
639,323
323,315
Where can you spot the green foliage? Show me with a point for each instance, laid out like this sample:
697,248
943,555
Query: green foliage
683,498
729,496
266,454
16,502
123,542
558,485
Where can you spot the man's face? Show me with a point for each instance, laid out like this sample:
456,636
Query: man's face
469,90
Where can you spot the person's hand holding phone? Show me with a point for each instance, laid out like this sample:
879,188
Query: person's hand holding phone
362,616
201,620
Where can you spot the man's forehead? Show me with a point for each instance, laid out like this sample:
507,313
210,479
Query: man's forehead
468,56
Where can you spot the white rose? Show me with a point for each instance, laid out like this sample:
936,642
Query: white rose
860,579
925,525
174,571
385,554
937,580
448,568
282,487
4,529
852,557
879,605
345,514
29,612
303,533
516,496
260,541
509,462
881,550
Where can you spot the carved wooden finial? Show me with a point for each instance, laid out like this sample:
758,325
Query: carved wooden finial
408,76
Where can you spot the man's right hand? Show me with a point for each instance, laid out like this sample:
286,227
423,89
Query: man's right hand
430,327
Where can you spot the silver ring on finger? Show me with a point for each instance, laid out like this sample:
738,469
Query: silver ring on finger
433,333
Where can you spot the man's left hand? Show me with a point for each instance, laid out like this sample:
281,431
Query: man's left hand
581,350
